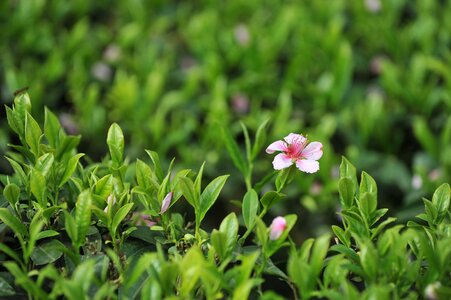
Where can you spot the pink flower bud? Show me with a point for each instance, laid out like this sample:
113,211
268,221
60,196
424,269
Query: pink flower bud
166,202
277,227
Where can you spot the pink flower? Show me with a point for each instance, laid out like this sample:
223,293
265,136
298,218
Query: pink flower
277,227
142,219
166,202
295,150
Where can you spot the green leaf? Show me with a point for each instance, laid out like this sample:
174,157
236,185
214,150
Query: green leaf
71,227
260,139
38,186
229,227
115,141
369,260
70,168
119,216
341,235
347,189
11,253
261,232
319,252
234,151
44,163
5,288
218,241
18,170
198,181
11,192
52,128
348,170
143,174
83,215
441,201
104,186
367,194
210,194
156,164
187,187
425,136
143,264
24,281
33,134
247,142
250,208
47,253
13,222
271,198
67,144
431,211
284,177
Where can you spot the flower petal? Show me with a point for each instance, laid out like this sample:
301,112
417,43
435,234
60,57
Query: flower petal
307,166
313,151
295,138
166,202
277,227
276,146
281,161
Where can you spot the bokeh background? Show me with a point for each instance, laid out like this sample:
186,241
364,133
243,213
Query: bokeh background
370,79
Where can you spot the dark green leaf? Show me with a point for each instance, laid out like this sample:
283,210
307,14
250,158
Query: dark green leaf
47,252
210,194
5,288
13,222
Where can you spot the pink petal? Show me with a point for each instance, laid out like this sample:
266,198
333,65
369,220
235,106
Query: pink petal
295,138
278,226
313,151
276,146
166,202
281,161
307,166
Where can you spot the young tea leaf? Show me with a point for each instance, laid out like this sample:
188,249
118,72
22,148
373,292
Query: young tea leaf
33,134
119,216
70,168
250,208
115,141
83,215
11,192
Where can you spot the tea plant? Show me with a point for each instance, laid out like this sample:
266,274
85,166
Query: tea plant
119,229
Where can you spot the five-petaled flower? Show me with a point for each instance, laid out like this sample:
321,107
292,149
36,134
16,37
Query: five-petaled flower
278,226
296,149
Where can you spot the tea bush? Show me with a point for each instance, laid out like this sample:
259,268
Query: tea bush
114,229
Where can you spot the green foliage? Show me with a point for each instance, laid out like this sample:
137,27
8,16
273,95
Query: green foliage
212,84
104,223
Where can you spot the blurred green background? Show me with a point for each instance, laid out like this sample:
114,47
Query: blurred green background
370,79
